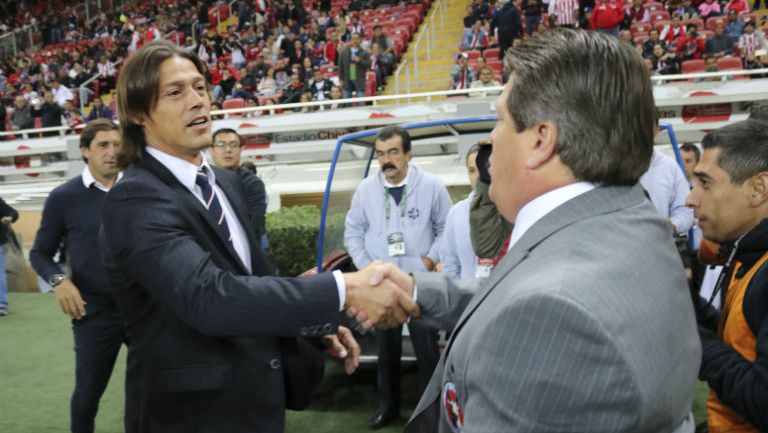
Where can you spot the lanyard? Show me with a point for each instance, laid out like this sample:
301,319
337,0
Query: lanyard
386,204
726,269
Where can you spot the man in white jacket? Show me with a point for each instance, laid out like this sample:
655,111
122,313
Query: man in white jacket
398,216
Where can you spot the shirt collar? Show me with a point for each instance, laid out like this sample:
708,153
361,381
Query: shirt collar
539,207
89,180
184,171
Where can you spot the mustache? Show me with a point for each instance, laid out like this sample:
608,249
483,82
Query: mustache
388,166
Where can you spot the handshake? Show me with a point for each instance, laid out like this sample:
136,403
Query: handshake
380,295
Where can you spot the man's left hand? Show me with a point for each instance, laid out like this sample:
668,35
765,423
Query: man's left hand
343,345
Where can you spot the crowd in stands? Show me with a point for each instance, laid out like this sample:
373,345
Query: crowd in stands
275,52
677,36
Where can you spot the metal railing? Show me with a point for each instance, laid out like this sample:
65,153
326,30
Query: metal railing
18,40
87,82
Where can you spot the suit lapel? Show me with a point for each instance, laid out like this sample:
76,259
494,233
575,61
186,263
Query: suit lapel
235,198
191,203
598,201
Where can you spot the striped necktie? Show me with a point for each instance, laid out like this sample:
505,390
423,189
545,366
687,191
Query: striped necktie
212,203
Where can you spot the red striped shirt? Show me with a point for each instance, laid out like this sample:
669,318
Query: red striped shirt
565,11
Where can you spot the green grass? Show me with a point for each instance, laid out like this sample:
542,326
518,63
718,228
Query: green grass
37,375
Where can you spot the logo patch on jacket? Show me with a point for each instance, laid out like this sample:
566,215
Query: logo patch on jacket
453,413
413,213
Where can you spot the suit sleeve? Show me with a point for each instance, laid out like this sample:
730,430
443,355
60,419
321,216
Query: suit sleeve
48,239
365,60
442,298
544,337
355,227
150,243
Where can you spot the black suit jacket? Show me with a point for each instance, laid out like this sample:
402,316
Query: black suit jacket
205,347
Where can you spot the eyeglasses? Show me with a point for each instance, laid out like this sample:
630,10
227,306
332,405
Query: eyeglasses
231,145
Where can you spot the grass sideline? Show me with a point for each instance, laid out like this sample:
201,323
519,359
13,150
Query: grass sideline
37,376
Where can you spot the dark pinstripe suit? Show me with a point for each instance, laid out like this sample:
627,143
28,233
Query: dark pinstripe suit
205,337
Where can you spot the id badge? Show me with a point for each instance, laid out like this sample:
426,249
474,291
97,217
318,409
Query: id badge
484,268
396,244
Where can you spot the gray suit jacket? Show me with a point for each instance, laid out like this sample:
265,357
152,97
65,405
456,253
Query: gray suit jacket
585,326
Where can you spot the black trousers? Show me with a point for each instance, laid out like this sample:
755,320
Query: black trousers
98,337
390,349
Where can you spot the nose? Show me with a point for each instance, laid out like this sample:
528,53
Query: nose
692,200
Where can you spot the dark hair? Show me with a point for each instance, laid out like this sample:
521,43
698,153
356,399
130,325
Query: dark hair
760,114
137,92
94,127
689,147
391,131
597,91
694,26
474,149
226,131
743,148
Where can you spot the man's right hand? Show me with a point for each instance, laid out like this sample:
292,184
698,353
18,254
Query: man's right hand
384,303
69,299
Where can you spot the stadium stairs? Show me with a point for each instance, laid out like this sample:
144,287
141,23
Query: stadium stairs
433,74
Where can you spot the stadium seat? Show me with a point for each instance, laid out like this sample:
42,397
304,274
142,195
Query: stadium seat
659,25
473,55
698,21
659,16
640,28
729,63
693,66
640,39
653,6
233,103
491,53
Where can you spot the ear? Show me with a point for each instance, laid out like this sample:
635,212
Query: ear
85,151
409,155
759,189
542,145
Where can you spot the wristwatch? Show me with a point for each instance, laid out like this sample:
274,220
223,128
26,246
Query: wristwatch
56,279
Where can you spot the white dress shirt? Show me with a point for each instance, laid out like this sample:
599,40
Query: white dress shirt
89,180
537,208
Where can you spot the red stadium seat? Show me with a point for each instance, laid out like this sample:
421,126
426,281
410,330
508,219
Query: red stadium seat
698,21
693,66
473,55
640,39
640,28
659,25
730,63
654,6
660,16
491,53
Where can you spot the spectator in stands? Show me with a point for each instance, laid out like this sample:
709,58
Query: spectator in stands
282,74
462,75
107,74
50,113
507,25
721,44
225,87
71,116
258,69
8,215
99,110
474,38
319,87
751,40
709,8
607,16
734,27
313,52
60,92
71,215
486,79
687,11
469,19
739,6
664,63
292,94
532,9
377,67
21,118
250,102
672,31
626,37
268,85
690,46
638,13
654,38
565,12
354,63
332,48
225,153
757,60
29,92
336,94
456,253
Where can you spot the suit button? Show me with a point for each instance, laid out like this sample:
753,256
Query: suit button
274,363
327,328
